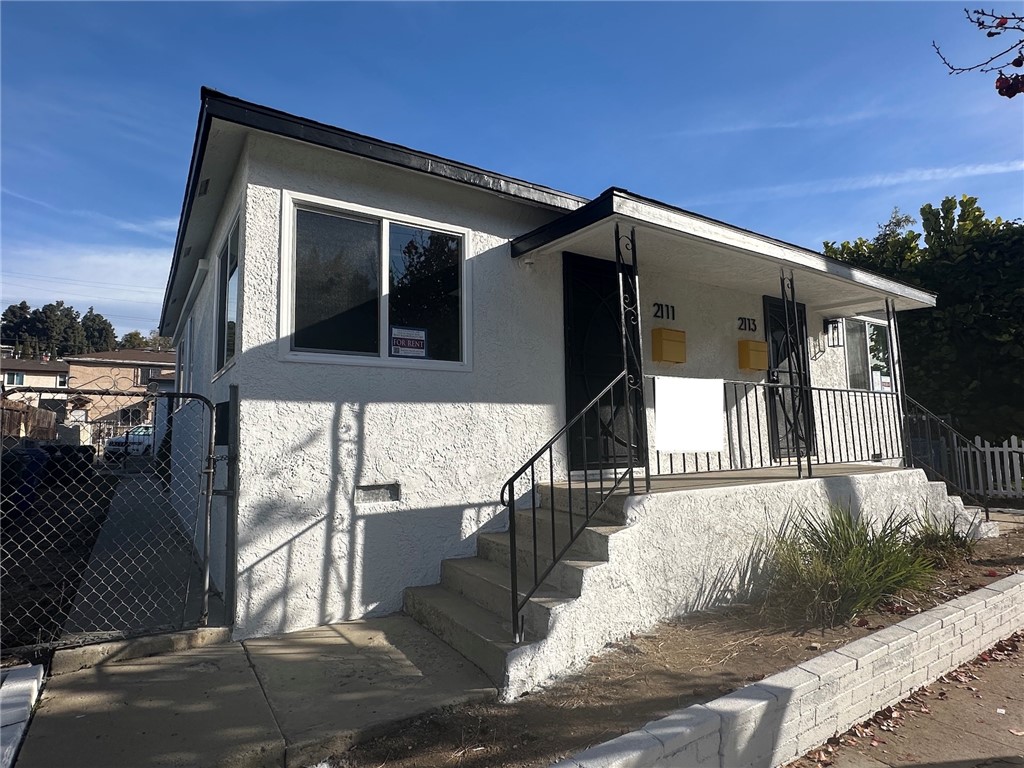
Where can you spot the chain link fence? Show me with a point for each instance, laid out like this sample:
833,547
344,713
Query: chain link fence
104,510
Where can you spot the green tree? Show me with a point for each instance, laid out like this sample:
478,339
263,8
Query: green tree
99,332
133,340
965,357
14,323
159,343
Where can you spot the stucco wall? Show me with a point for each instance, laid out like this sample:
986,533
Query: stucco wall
309,552
190,435
685,551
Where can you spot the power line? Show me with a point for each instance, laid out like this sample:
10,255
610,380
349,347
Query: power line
97,297
79,282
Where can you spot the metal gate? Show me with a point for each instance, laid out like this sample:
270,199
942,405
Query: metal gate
104,514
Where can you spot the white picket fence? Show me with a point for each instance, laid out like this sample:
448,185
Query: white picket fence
1000,468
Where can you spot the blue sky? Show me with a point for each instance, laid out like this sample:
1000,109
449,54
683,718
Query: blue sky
804,121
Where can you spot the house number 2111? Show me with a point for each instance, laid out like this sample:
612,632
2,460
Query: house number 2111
664,311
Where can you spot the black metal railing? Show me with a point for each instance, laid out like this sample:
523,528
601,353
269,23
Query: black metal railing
610,457
945,455
771,425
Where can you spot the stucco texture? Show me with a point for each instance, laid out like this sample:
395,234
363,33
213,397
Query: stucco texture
309,551
684,551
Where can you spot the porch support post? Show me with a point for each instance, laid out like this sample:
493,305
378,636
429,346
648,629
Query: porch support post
632,353
899,385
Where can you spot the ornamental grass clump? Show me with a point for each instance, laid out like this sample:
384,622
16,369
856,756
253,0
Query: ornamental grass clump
823,569
942,543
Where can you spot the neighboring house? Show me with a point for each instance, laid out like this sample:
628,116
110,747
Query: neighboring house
403,332
126,374
45,374
18,372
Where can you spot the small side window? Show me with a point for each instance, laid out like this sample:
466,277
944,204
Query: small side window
227,341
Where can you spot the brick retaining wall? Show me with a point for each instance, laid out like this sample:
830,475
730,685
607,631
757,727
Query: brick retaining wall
784,716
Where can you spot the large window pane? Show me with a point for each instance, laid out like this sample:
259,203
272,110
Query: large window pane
857,354
878,354
425,294
337,284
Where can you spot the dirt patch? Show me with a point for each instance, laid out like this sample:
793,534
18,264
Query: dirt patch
678,663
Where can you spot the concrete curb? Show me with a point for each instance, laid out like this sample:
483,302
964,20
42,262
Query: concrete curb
75,659
19,689
783,716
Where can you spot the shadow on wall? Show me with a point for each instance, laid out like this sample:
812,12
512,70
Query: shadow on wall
328,557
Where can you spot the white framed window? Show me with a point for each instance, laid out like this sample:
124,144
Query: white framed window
14,378
867,355
227,303
368,287
62,379
183,360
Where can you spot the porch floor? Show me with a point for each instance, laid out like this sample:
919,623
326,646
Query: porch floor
697,480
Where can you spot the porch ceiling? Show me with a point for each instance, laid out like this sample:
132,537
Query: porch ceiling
718,254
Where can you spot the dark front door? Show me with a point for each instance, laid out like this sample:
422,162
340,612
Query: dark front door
593,358
787,366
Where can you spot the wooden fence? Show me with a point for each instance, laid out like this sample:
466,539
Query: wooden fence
18,420
1000,468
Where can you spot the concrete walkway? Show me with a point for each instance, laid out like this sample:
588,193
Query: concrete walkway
964,730
287,701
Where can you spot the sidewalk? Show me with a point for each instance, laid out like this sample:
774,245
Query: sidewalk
290,700
957,728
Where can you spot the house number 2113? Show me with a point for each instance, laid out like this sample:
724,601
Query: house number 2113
747,323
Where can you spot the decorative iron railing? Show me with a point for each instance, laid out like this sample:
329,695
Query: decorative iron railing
770,425
945,455
612,461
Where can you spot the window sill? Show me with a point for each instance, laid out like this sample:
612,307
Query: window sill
227,367
326,358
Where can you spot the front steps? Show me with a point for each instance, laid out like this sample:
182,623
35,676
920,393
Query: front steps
681,551
471,608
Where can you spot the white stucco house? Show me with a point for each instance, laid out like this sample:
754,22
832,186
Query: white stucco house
398,335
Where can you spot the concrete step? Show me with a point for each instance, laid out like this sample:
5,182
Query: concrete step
486,583
476,633
585,499
591,541
566,576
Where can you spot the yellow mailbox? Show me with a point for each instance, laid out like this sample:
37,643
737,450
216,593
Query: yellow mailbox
668,345
753,355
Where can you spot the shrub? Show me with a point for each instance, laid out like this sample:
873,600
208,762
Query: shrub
941,543
823,569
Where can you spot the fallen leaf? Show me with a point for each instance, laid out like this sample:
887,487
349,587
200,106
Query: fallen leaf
1016,733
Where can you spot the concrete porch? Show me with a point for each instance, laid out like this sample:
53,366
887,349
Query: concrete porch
690,544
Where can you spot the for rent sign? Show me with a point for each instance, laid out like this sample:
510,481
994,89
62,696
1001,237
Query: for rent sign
408,342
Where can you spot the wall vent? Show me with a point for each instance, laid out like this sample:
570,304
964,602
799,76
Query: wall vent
377,494
204,187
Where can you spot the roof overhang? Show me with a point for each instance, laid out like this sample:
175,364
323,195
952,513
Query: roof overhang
225,121
718,254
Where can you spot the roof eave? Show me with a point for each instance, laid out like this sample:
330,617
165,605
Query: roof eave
615,202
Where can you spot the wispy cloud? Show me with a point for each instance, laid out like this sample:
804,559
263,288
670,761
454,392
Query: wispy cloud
124,283
856,183
820,121
160,227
